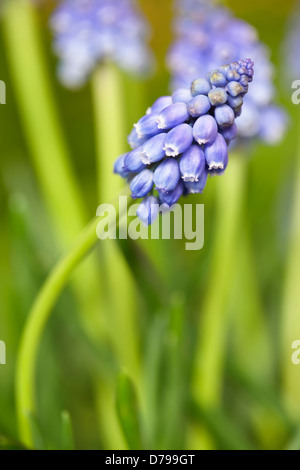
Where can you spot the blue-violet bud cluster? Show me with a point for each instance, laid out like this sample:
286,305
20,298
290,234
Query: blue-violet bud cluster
88,32
208,35
183,138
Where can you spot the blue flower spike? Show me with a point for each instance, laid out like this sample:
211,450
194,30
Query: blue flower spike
178,140
182,143
172,116
208,34
92,32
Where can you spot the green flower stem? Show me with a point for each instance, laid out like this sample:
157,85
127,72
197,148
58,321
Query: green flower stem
120,294
213,324
232,277
110,136
108,99
110,116
47,147
250,336
214,321
112,437
221,427
290,321
172,401
38,317
42,128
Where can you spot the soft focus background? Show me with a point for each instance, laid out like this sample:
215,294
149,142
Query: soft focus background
88,385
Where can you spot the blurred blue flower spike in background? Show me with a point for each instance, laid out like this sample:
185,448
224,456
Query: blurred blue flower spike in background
209,34
291,46
90,32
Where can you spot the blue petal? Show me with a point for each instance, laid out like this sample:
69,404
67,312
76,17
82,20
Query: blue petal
153,149
119,166
216,154
199,106
205,130
197,187
201,86
217,96
229,133
235,89
167,175
224,116
172,116
147,126
192,164
178,140
160,104
136,140
171,197
141,184
133,162
182,95
218,79
148,210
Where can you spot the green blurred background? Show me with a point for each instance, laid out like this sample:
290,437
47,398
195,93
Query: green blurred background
257,405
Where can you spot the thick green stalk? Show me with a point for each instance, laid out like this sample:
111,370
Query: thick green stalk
109,426
232,279
39,117
108,99
47,147
110,137
213,322
36,323
120,295
172,410
250,336
290,320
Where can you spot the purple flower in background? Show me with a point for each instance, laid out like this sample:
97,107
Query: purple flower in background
88,32
184,138
291,46
209,34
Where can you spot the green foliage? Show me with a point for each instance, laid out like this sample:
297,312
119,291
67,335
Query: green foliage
128,412
198,333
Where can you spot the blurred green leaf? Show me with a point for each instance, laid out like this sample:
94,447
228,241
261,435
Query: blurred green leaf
6,443
38,439
67,432
27,249
225,432
294,443
154,352
171,429
260,393
128,412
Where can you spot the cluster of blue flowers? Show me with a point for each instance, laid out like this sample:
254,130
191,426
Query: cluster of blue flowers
208,35
88,32
183,138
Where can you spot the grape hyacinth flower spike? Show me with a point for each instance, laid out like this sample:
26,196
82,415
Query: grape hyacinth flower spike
183,138
91,32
